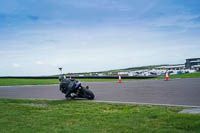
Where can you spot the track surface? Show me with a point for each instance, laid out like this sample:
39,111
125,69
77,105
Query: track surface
175,92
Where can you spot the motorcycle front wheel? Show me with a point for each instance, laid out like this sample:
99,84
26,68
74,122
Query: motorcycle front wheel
88,94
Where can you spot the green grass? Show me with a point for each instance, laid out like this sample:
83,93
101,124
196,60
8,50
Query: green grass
24,116
188,75
11,82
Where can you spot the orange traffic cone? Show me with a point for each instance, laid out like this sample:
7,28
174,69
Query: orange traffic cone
120,79
167,76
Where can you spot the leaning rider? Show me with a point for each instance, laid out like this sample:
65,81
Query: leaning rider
68,86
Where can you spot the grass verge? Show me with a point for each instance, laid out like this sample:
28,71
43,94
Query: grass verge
12,81
29,116
187,75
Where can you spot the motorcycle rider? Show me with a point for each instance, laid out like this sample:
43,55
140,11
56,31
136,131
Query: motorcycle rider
72,89
68,85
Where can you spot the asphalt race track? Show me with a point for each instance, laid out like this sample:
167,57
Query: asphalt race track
157,92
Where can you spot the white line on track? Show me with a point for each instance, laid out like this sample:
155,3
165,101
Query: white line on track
155,104
138,103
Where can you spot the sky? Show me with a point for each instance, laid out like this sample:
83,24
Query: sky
39,36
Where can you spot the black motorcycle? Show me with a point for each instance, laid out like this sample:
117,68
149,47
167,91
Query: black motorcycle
73,89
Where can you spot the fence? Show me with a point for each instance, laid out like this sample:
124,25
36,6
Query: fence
82,77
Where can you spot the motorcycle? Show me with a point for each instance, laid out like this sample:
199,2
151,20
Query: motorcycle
73,89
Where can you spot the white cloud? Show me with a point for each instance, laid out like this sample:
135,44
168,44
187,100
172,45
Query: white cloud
16,65
39,62
111,40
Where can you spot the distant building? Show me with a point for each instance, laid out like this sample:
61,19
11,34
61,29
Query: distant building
171,67
123,73
193,63
100,74
110,73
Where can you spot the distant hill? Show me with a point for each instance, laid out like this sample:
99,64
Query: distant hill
139,68
115,71
136,68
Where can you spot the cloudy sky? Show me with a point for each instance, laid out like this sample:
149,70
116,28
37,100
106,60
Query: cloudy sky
38,36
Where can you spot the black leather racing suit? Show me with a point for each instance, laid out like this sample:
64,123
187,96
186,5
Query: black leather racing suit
67,86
